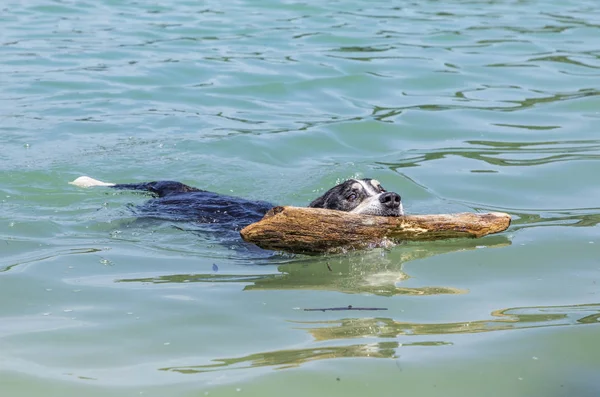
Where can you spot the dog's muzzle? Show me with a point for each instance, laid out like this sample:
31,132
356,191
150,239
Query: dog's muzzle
390,200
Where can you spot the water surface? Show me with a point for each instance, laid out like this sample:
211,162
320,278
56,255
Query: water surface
457,105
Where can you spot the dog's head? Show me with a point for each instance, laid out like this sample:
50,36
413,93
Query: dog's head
361,196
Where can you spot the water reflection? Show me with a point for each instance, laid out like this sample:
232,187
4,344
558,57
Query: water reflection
371,335
372,272
292,358
353,328
505,319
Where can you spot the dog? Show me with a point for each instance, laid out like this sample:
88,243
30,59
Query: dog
176,201
361,196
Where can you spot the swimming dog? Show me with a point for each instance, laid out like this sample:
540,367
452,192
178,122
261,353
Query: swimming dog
176,201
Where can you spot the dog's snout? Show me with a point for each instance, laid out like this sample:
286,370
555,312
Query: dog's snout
390,199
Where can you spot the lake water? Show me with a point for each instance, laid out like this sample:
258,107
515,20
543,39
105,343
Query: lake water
456,105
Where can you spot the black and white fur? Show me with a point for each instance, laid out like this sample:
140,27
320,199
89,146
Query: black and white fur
176,201
361,196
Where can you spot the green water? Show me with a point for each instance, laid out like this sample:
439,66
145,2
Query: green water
457,105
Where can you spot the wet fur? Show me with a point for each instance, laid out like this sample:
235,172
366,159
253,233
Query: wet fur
176,201
361,196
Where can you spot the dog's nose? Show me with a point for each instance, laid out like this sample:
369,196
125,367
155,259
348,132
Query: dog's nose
390,199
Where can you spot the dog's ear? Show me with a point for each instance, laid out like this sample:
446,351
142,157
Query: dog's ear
318,202
328,200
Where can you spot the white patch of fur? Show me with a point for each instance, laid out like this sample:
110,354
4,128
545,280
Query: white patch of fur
357,185
86,181
368,188
370,205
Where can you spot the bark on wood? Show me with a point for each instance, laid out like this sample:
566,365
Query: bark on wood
316,230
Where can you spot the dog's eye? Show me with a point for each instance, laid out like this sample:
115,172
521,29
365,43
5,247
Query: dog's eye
351,197
381,189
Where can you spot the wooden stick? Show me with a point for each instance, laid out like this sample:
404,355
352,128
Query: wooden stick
316,230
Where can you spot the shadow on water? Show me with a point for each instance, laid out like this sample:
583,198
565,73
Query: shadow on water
352,328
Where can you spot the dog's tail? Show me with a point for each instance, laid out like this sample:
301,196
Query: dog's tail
86,181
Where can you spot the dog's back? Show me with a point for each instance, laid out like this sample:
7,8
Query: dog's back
218,215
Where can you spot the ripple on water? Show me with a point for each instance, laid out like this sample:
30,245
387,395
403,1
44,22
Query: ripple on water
459,106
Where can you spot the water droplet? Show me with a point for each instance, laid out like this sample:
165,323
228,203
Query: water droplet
106,262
